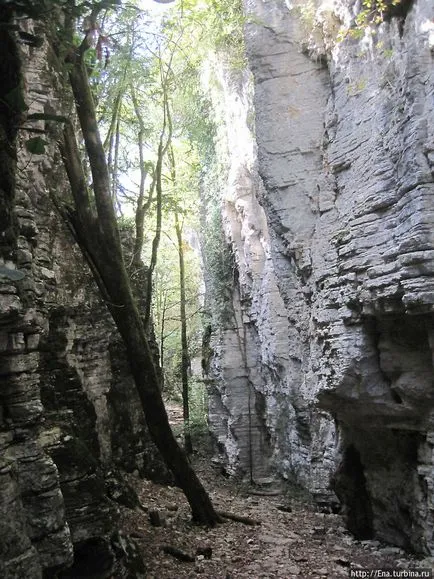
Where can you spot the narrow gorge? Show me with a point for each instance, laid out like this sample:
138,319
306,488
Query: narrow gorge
318,354
323,373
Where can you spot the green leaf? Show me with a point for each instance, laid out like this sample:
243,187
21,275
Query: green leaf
36,145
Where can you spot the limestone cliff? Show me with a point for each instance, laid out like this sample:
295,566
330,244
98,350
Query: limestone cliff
325,372
69,413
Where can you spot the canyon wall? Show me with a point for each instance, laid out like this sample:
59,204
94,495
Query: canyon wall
70,417
323,374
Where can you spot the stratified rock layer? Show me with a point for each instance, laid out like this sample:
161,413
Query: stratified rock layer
69,412
331,224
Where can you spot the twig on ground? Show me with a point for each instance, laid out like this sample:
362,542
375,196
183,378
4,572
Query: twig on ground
180,555
239,518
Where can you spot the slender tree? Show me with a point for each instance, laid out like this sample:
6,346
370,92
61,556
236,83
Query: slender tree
94,225
185,357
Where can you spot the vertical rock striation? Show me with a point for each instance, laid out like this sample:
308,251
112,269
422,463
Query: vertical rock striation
330,216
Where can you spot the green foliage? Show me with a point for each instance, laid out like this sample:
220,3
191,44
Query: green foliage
198,405
212,25
141,74
306,11
219,261
219,18
126,224
148,67
36,145
388,52
372,13
166,307
357,87
194,113
198,422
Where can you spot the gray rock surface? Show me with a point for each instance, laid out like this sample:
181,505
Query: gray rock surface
330,218
69,412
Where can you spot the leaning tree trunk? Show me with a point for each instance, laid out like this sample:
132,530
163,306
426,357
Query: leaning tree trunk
98,237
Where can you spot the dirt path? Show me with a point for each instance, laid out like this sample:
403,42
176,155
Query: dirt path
292,540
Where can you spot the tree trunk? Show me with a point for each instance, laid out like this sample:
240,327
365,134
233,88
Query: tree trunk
142,205
97,233
185,358
131,329
162,340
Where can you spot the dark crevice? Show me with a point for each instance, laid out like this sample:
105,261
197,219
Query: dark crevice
11,105
93,559
396,397
349,484
398,11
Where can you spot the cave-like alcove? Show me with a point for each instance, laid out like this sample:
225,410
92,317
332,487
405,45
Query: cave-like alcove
349,484
93,559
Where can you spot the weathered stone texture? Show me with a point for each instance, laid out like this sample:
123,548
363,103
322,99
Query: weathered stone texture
62,366
336,265
373,308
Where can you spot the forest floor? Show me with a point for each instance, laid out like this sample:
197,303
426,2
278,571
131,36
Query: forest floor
292,539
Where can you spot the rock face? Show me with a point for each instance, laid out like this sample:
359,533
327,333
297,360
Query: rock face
328,358
69,413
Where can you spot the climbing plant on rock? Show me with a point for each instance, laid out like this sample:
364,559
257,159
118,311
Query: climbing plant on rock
373,12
